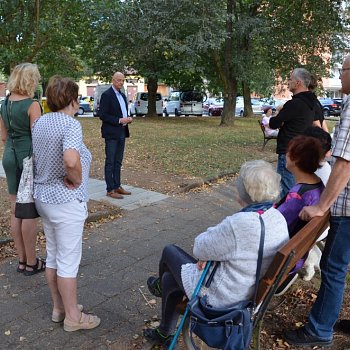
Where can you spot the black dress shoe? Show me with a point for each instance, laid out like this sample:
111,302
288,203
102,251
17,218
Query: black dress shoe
301,337
343,326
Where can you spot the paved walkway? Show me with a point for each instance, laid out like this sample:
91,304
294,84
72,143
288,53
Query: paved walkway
139,198
117,259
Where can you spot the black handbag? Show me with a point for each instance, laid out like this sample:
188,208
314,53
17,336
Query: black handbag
226,328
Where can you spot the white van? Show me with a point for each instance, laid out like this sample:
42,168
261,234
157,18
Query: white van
184,103
172,105
99,90
191,103
139,105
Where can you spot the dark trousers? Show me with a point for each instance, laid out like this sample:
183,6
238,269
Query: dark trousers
114,157
173,291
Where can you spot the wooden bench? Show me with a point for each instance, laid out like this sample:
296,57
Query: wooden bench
282,263
266,138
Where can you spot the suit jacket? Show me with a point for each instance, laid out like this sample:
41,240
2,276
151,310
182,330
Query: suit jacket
110,113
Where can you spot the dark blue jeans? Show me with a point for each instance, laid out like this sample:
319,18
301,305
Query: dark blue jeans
334,268
173,291
114,158
287,178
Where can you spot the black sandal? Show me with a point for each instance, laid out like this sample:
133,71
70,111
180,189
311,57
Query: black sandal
35,267
21,263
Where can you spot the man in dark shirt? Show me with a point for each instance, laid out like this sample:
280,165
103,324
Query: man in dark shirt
293,119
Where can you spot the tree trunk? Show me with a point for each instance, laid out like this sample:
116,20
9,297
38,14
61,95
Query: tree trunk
230,82
248,110
230,93
152,86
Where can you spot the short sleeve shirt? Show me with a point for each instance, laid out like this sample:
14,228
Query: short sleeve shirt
341,148
52,135
294,203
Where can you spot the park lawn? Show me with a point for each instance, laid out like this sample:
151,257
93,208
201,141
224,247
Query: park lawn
187,147
184,147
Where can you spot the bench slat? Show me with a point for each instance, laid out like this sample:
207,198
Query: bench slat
266,138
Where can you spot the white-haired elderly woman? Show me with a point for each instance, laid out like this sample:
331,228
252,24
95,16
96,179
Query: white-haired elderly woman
234,242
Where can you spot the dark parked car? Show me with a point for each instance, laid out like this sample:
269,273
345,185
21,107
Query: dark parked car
84,107
338,101
213,106
330,107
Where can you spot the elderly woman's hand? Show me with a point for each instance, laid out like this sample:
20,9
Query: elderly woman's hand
201,265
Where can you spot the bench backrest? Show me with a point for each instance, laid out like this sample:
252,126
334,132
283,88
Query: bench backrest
299,245
262,127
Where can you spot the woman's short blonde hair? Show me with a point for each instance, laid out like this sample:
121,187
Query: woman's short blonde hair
260,181
24,79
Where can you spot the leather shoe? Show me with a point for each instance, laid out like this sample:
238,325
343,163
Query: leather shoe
114,195
121,190
301,337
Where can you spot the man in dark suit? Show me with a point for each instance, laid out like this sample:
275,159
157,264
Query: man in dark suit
115,120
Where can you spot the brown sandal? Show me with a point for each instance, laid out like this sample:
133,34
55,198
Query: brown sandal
87,321
58,317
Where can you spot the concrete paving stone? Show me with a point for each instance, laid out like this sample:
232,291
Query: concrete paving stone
37,297
116,282
32,333
150,267
12,310
139,198
58,339
89,299
106,264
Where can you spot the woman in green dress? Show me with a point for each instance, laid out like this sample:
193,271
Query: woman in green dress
18,112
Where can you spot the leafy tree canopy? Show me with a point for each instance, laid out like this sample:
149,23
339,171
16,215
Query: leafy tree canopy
46,32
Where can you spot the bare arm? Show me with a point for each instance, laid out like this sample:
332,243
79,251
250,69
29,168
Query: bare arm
34,112
338,179
72,165
3,131
323,126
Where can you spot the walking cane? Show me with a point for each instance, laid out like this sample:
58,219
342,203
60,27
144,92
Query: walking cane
195,293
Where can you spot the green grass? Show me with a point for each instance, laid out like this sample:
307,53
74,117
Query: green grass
187,147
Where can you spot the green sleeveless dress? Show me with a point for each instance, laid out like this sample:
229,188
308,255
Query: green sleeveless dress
19,140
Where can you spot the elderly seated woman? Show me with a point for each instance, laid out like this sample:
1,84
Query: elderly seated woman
234,242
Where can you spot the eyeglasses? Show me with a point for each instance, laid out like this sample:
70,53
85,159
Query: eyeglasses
342,70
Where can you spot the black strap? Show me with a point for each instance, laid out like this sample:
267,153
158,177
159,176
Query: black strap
302,189
11,133
260,257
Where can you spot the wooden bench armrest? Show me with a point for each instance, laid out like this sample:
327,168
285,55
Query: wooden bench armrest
300,244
